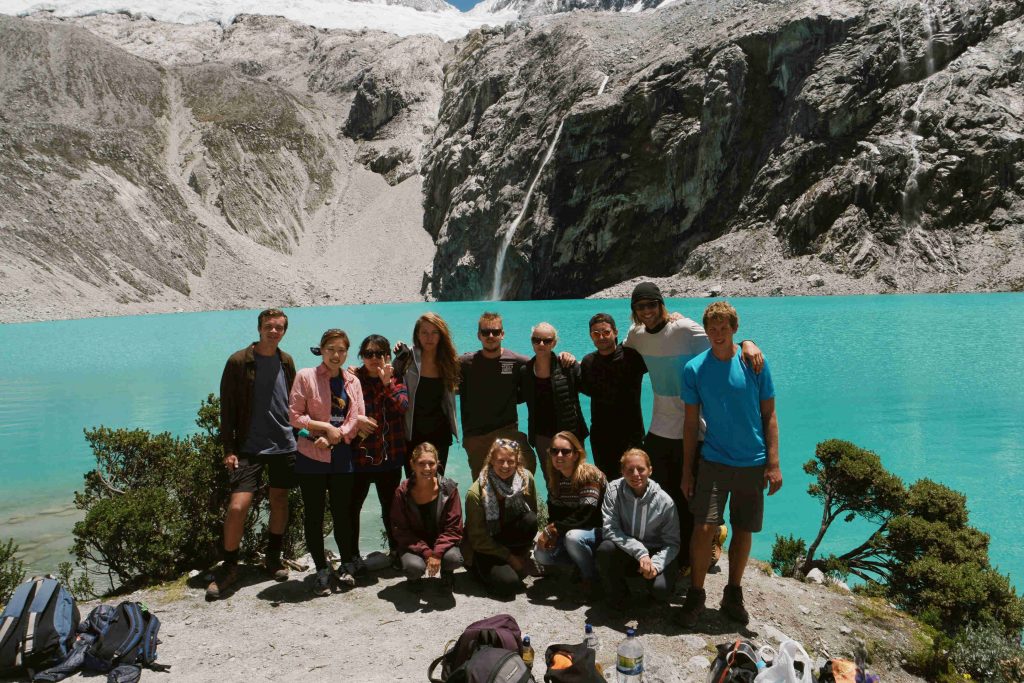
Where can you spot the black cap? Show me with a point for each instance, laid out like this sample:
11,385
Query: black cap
646,291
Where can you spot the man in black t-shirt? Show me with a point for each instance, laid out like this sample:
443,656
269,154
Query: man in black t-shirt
611,376
488,394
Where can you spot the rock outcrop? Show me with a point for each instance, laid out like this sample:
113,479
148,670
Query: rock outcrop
878,144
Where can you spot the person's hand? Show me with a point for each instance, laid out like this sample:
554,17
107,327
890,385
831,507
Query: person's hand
386,372
773,478
322,442
517,563
674,316
688,485
353,368
366,425
550,537
566,359
333,435
231,462
433,566
647,569
752,356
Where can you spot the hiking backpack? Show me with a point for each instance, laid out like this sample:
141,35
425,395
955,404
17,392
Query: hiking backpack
130,638
736,663
499,631
582,670
37,627
492,665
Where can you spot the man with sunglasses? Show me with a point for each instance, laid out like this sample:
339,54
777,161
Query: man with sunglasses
488,395
667,344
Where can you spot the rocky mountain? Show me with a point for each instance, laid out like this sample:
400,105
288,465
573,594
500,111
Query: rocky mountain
734,147
526,9
867,146
421,5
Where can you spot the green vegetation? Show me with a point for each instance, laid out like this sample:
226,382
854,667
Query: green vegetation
922,556
154,505
12,570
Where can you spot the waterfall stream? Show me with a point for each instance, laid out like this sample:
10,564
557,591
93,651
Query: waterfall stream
506,242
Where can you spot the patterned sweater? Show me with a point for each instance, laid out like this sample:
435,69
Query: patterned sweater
576,509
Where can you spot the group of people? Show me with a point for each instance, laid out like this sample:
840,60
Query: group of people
651,504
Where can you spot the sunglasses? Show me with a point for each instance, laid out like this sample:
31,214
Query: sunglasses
375,354
560,451
484,332
510,444
645,305
542,340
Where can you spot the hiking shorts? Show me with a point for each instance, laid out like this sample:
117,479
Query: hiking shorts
741,487
248,476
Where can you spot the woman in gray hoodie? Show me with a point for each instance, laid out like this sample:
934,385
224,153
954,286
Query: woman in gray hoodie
640,531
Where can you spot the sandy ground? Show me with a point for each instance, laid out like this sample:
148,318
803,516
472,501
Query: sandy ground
380,631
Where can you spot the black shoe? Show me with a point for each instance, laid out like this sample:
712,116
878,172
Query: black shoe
277,569
732,604
224,578
692,608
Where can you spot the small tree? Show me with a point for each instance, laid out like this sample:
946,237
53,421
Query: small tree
12,570
851,482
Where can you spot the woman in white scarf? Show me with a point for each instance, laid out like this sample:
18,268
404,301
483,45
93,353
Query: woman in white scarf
501,520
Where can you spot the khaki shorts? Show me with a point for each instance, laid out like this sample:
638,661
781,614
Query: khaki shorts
741,487
477,448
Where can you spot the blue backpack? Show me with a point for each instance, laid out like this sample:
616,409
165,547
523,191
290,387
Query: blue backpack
37,627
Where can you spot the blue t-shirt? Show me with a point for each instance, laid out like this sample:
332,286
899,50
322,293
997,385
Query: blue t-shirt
341,453
729,394
269,430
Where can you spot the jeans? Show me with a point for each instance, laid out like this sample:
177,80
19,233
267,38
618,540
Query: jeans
414,566
576,546
616,564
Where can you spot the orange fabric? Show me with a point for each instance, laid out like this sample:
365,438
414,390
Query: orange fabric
844,671
561,661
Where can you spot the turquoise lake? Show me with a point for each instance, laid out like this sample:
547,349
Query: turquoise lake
932,383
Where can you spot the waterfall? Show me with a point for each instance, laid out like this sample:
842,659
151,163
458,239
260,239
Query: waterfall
929,53
506,242
910,190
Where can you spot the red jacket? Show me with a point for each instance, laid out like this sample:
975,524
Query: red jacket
407,527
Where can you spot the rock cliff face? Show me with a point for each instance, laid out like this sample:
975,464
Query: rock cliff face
879,145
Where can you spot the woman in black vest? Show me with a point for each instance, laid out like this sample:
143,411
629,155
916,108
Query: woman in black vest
550,393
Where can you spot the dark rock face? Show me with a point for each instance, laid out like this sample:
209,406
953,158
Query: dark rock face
883,141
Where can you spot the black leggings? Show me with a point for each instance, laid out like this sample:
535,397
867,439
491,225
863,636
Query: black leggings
385,482
316,488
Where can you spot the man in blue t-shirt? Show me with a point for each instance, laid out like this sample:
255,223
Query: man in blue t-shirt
739,458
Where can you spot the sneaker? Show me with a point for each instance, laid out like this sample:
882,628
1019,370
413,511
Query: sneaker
322,582
717,543
692,608
344,577
732,604
224,578
277,569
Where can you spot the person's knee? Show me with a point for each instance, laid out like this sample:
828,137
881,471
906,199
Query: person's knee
578,538
606,550
452,560
705,530
239,503
413,566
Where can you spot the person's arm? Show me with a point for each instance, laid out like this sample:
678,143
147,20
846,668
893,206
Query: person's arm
566,359
770,424
691,429
228,411
451,533
612,528
751,355
356,418
670,536
397,396
405,537
476,528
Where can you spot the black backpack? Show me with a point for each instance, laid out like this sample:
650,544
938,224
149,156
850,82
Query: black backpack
582,670
130,638
492,665
499,631
37,627
736,663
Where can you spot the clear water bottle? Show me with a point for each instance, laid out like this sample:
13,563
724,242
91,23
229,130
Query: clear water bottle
629,660
527,653
590,638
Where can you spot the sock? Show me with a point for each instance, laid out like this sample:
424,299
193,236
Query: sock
230,557
274,547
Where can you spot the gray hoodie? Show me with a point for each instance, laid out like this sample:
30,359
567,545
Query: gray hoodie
647,525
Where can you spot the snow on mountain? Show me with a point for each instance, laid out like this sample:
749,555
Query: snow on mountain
403,17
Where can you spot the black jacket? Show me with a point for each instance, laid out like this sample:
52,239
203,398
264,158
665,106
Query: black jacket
568,415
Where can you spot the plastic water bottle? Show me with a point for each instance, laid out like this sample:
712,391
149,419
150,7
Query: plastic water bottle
527,653
590,638
629,660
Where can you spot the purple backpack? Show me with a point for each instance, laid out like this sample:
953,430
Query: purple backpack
500,631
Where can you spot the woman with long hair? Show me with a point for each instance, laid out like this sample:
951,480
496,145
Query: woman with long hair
431,372
426,521
501,520
575,492
326,405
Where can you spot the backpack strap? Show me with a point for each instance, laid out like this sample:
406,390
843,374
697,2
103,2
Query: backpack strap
131,642
12,612
430,670
730,659
45,589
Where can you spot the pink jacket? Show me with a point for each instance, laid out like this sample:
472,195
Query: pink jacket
311,400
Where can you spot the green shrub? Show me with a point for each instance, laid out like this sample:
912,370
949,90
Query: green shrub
154,505
987,654
12,570
80,585
786,553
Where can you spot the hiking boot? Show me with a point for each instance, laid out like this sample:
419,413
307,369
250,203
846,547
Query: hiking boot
692,608
344,577
224,578
277,569
732,604
322,582
356,567
717,544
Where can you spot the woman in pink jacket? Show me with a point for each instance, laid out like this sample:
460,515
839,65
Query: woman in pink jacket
326,404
